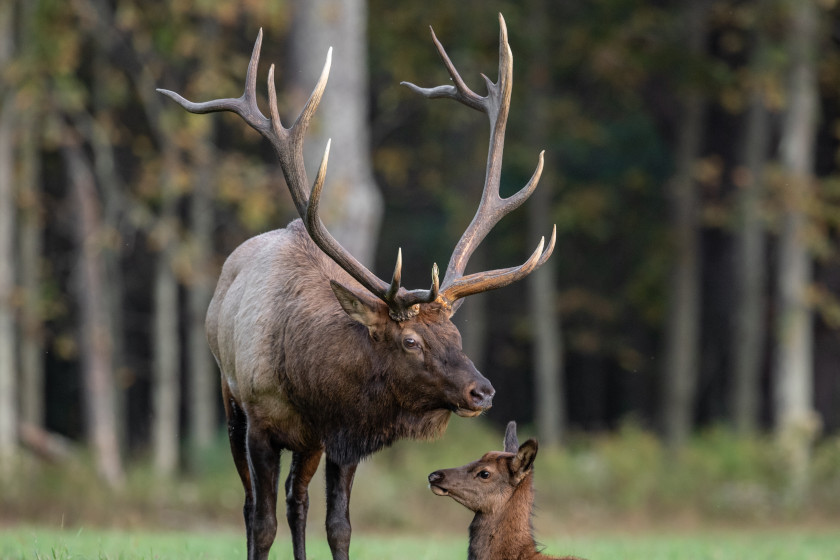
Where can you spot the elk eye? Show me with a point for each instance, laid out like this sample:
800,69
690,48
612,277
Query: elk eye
410,343
484,474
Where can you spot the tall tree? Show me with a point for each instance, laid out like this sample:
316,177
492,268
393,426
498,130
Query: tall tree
97,368
166,384
8,204
750,250
98,130
202,383
30,227
796,422
352,203
682,330
547,350
30,250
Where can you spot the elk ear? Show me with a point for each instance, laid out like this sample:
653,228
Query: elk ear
511,441
361,309
521,465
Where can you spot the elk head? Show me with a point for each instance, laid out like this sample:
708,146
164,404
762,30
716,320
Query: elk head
415,321
486,485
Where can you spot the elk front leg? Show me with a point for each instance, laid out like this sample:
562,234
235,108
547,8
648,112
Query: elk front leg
301,471
264,465
339,485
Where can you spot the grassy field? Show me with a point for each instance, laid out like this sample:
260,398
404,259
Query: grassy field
37,543
611,496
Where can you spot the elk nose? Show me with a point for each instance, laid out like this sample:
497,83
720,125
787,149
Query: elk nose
481,394
436,476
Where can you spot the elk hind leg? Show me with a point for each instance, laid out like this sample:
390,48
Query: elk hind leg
264,467
339,485
237,433
301,471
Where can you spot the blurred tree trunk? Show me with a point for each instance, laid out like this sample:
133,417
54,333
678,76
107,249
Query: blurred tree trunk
100,410
8,205
202,381
682,330
166,386
203,378
750,249
796,421
31,250
547,349
30,243
352,204
549,405
114,191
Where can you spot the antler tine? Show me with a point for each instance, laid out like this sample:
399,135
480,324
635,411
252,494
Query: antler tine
492,207
396,279
245,106
494,279
327,243
459,92
290,150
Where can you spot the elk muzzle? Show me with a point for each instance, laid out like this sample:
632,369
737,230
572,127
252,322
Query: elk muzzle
477,397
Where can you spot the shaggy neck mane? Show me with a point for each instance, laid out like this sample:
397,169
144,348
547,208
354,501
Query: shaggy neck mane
506,534
382,421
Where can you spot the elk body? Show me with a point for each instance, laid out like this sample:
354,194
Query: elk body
499,488
321,357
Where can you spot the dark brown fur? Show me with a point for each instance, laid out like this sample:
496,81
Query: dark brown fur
314,367
499,489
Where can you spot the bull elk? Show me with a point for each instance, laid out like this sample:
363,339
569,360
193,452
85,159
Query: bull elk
320,356
499,488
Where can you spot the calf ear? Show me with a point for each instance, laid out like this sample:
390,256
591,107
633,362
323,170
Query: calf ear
522,463
361,309
511,441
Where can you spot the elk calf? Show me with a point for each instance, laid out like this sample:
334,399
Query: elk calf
499,489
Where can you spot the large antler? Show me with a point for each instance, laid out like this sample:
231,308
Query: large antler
492,207
288,143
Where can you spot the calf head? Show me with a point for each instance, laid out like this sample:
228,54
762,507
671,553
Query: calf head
486,485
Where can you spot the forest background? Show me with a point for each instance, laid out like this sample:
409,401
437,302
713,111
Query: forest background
680,350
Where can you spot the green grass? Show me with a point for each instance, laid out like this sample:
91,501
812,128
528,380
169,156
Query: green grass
37,543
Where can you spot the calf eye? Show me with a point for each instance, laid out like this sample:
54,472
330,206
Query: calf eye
484,474
409,342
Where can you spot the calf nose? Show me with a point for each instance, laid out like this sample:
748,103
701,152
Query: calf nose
481,394
436,476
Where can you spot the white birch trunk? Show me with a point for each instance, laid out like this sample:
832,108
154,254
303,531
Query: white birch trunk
351,204
8,353
796,420
203,375
166,387
31,252
98,375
